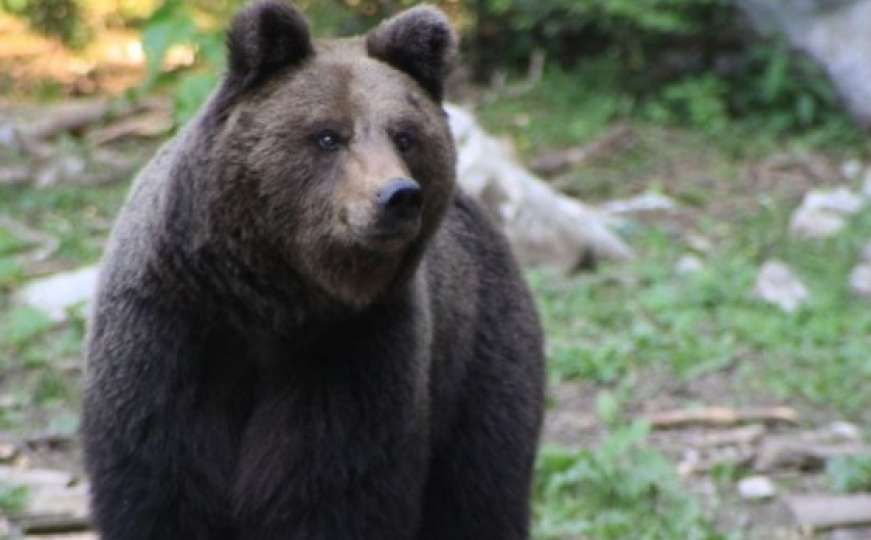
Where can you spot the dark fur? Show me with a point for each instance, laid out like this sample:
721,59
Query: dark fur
258,369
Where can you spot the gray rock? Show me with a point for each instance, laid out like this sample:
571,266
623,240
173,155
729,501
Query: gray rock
866,253
55,294
822,212
778,285
756,487
688,264
845,431
832,32
860,280
545,227
851,169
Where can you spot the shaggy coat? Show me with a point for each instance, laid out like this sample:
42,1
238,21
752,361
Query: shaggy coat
270,356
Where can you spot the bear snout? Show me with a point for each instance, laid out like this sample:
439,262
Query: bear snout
401,199
397,211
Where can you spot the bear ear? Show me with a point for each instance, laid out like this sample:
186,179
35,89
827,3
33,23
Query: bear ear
420,42
264,37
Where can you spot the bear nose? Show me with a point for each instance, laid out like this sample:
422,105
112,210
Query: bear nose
401,198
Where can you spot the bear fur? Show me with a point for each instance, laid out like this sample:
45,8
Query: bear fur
264,361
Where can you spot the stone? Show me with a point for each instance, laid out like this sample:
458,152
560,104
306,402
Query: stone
851,169
756,488
545,227
845,431
55,294
821,213
860,280
688,264
866,253
778,285
832,32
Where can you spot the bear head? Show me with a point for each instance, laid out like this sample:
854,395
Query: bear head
332,158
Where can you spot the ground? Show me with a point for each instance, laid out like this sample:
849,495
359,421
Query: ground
624,341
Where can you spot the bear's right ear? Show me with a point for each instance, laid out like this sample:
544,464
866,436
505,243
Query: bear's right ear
264,37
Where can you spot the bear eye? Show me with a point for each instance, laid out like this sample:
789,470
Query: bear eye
329,141
404,141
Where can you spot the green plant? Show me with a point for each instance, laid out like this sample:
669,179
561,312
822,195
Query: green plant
13,499
619,489
850,474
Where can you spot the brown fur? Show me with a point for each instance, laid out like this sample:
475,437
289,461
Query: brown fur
263,361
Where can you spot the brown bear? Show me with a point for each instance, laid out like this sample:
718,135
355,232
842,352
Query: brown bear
303,330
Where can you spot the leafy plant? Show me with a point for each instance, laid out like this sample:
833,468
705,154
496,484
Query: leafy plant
619,489
850,474
13,499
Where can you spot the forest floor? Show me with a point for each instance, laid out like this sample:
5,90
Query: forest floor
626,342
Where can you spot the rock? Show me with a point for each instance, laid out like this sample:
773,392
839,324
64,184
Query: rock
839,200
851,169
646,202
8,452
866,253
860,280
700,243
545,227
756,487
815,224
845,431
688,264
866,185
832,32
10,137
822,212
55,294
778,285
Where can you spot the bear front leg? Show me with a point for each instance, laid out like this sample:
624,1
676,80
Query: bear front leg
150,478
480,478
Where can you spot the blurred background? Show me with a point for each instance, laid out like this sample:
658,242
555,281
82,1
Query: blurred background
687,181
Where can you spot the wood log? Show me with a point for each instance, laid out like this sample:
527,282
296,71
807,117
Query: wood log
818,512
721,417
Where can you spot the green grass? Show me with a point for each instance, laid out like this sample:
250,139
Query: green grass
624,326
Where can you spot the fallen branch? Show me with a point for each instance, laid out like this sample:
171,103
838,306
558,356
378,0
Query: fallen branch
721,417
816,512
781,454
39,524
740,436
68,117
616,139
148,124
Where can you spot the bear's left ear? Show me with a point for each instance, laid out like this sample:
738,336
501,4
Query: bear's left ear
264,37
420,42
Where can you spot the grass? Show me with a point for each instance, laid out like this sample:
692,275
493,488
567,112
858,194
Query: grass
625,326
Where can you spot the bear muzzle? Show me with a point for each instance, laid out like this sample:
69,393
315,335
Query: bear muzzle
398,208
